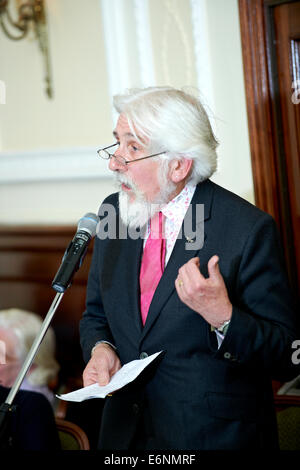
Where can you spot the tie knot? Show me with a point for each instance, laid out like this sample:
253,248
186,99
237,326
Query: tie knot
156,226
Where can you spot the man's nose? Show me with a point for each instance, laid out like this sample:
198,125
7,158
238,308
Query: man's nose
115,165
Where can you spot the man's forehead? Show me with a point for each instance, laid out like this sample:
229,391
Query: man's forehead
124,130
122,127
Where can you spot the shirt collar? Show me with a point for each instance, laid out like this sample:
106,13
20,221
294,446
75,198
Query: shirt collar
177,207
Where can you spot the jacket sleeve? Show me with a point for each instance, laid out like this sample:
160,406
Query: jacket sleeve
93,325
264,323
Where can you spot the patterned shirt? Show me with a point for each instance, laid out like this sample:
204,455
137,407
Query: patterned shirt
174,213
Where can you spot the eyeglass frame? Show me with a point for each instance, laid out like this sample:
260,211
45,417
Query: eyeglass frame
126,162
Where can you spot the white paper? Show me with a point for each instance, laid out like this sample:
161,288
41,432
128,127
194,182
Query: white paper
125,375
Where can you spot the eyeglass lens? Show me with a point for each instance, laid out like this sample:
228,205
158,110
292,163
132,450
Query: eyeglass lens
106,155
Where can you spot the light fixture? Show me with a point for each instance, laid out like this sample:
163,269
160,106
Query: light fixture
31,15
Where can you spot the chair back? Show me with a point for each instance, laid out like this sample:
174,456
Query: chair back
72,437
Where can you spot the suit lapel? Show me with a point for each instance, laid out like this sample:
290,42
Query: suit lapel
134,249
121,267
182,252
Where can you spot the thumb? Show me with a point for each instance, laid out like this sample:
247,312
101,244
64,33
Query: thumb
213,267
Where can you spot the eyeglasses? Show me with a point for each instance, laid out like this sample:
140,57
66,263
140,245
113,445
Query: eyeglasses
106,155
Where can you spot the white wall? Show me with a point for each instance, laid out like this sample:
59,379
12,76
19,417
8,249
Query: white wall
235,171
49,171
74,118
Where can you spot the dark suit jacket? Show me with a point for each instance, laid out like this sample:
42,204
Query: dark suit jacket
198,396
31,424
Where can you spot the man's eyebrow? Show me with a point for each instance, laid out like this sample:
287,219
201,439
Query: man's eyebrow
128,134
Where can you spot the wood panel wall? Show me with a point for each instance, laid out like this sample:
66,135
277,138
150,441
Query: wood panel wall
29,260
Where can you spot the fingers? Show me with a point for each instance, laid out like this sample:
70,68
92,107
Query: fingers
95,372
195,261
192,270
103,374
89,377
103,364
213,268
207,296
190,278
189,271
189,275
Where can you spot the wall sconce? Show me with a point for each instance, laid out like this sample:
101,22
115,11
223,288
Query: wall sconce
31,15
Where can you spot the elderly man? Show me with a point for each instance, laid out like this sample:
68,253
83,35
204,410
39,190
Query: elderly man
221,311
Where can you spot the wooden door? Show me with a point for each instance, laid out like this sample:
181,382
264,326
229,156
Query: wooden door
270,32
287,52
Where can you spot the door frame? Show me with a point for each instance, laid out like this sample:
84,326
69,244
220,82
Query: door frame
264,119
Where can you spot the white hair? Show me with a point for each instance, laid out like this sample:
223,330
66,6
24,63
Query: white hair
26,325
174,121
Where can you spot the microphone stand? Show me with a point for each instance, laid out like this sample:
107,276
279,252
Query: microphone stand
6,408
71,262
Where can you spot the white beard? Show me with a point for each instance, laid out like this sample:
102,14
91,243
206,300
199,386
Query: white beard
135,214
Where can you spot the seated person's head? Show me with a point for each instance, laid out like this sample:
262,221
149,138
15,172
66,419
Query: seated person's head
18,329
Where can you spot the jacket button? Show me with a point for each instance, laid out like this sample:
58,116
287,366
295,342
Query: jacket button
135,408
227,355
143,355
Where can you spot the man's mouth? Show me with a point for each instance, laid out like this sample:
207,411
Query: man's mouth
125,187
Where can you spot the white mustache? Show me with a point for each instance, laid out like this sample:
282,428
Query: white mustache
122,179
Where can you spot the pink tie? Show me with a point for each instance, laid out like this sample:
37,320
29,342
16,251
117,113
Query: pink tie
153,263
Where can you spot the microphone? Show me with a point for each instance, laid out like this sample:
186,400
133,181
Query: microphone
76,251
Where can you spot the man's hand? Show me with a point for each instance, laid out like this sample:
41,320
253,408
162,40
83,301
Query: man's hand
208,297
103,364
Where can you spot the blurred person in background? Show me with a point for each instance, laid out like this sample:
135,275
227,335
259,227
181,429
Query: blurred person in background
18,329
31,424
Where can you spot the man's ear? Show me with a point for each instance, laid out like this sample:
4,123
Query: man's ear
179,169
